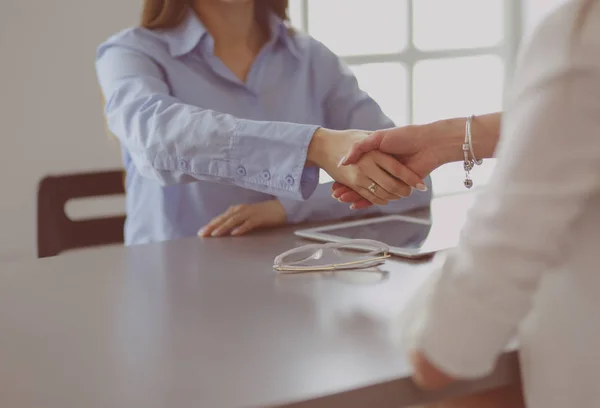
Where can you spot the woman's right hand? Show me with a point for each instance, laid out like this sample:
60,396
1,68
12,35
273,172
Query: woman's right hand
392,179
414,145
411,145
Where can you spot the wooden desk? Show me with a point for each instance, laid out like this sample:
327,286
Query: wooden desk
205,323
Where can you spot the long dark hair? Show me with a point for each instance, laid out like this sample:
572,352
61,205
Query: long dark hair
158,14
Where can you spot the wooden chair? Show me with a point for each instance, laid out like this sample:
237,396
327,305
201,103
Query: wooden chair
56,232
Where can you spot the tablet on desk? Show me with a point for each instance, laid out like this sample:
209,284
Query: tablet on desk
406,236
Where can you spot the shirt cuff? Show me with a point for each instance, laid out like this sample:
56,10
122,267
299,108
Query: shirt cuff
457,334
297,211
271,157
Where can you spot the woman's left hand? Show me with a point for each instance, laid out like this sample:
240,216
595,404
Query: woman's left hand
241,219
428,376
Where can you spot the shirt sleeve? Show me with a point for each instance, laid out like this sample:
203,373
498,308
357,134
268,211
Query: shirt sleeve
174,142
519,229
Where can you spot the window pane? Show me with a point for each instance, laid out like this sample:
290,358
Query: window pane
386,83
444,24
351,27
457,87
452,87
295,13
535,11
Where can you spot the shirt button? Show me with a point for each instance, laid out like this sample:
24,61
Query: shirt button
183,164
241,171
266,175
289,180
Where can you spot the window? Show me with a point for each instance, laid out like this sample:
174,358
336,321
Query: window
424,60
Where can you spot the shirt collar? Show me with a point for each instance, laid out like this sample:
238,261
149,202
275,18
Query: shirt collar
186,36
282,32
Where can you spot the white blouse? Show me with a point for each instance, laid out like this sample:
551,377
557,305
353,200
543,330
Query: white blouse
528,262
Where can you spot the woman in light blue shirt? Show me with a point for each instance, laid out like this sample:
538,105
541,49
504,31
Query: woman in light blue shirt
224,115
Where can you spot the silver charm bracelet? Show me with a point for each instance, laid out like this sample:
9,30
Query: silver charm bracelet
467,147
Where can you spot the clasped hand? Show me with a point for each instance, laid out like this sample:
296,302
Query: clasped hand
372,175
411,146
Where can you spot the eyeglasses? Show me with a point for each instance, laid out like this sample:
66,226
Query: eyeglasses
365,253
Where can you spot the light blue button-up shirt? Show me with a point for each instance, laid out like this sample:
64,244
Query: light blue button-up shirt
197,140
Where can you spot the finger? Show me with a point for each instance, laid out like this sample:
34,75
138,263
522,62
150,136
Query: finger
349,196
359,182
340,191
207,230
427,376
226,227
398,170
336,185
361,204
369,196
388,187
352,197
243,228
359,148
361,187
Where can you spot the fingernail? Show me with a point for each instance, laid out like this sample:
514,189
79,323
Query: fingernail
352,207
235,231
421,187
342,161
215,233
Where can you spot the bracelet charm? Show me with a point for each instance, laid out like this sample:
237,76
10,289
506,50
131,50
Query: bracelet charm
467,147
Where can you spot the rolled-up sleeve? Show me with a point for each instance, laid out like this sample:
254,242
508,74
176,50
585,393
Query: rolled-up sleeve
173,142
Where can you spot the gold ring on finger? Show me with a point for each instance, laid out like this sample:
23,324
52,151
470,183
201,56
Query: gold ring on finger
373,188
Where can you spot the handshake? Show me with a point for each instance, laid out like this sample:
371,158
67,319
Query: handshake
369,167
376,167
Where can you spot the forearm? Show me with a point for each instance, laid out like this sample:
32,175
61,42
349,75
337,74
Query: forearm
449,135
173,143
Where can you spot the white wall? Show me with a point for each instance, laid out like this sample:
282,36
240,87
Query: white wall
50,105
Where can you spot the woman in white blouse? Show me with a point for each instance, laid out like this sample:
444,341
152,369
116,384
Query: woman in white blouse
528,262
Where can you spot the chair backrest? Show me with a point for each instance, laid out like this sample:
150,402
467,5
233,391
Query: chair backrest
56,232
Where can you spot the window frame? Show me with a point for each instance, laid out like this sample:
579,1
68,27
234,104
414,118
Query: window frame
506,50
410,56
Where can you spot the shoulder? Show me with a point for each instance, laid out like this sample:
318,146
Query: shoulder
312,48
561,44
321,60
566,36
138,39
